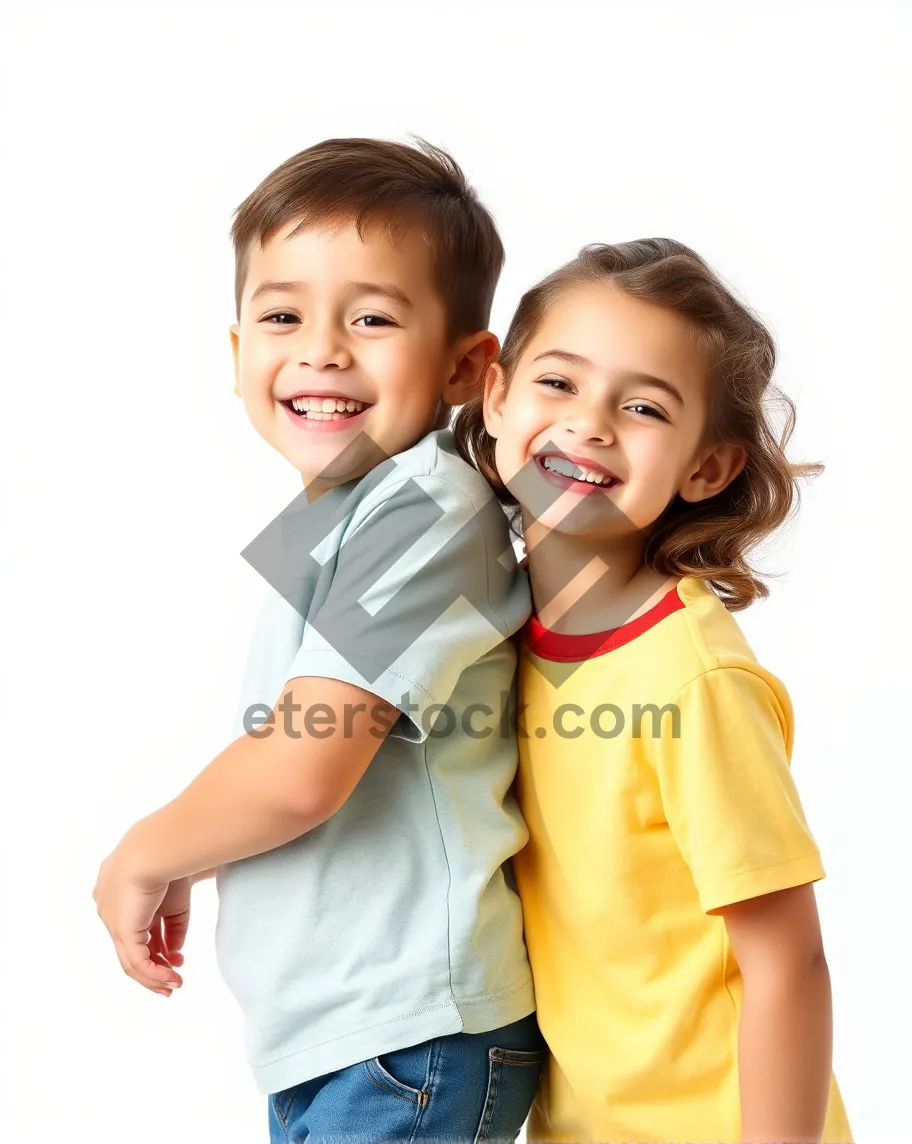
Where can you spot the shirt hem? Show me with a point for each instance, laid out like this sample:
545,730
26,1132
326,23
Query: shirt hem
767,880
469,1016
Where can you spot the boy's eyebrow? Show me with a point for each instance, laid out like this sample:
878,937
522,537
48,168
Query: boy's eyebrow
386,289
629,375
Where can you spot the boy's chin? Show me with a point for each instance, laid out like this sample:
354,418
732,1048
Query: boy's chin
334,473
333,458
328,462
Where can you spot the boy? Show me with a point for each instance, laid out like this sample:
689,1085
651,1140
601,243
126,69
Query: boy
361,823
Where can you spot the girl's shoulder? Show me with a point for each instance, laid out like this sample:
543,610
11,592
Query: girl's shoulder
715,632
717,638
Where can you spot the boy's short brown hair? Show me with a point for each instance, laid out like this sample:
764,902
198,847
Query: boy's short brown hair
372,180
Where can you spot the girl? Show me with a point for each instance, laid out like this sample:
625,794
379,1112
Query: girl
667,890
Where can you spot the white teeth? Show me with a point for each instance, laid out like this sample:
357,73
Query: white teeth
596,478
568,469
559,465
325,405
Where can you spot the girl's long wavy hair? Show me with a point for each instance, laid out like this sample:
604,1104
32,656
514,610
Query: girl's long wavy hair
712,538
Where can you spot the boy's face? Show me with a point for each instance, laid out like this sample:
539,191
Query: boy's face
341,351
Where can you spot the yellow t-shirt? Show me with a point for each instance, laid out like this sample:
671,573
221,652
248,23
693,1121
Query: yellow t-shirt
636,836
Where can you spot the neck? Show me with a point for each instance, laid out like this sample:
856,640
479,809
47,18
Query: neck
611,586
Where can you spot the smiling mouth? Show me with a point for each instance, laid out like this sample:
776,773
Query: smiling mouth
319,408
572,474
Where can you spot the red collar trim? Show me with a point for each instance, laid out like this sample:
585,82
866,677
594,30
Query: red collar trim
562,648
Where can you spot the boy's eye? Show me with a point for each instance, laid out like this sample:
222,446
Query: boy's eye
370,321
374,321
647,410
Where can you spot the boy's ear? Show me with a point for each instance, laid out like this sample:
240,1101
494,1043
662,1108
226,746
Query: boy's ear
495,392
234,334
469,356
716,471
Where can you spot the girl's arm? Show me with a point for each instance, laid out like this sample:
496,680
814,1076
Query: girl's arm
785,1037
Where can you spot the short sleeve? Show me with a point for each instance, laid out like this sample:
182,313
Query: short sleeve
425,586
727,788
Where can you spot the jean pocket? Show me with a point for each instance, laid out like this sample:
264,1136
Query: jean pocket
382,1077
512,1080
281,1107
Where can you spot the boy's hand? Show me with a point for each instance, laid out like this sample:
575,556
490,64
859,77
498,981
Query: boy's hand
147,923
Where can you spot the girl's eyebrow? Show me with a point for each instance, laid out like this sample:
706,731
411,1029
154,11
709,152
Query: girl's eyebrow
569,358
628,375
656,383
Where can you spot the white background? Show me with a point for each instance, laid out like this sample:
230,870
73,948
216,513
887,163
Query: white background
772,139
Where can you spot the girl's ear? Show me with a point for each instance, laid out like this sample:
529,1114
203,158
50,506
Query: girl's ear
715,472
495,393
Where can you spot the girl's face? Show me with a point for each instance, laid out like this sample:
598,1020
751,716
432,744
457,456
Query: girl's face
603,420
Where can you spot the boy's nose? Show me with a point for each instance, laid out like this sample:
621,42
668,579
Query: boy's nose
319,358
322,348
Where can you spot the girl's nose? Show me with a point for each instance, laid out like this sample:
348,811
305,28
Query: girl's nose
591,425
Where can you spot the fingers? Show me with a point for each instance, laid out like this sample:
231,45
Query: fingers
147,950
174,931
159,945
138,963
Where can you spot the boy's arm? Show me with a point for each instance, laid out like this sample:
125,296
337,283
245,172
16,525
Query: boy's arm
785,1037
262,792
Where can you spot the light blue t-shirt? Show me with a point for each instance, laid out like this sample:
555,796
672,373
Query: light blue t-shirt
395,921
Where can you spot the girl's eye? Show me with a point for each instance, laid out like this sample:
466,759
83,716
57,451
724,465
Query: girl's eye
279,319
374,321
648,410
557,383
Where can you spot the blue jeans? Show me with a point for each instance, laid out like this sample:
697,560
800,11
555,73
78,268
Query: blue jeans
465,1088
